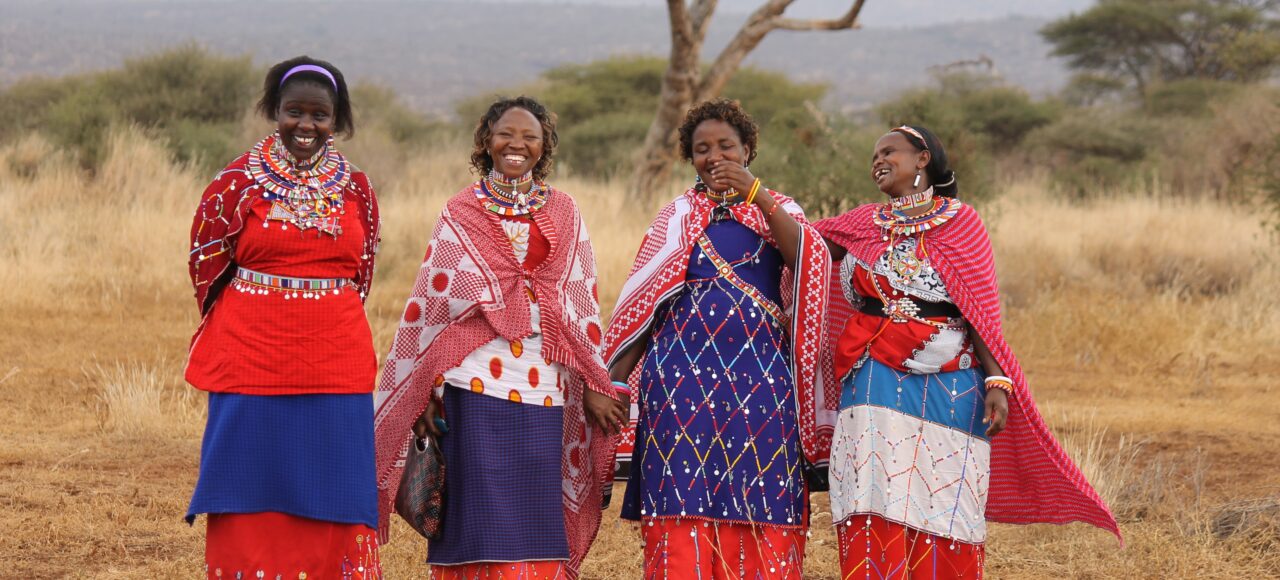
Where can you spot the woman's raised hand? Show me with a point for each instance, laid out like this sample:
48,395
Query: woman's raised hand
725,174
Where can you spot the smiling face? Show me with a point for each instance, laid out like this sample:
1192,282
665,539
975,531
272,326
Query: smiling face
894,164
305,118
715,141
515,143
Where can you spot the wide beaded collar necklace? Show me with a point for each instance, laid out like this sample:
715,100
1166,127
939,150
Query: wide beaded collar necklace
895,223
307,195
511,202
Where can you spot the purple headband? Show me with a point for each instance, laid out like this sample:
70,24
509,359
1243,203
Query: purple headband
310,68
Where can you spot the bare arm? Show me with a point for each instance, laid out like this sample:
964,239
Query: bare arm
626,362
837,251
997,401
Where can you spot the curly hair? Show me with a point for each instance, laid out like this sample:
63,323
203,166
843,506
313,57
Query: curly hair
482,163
721,109
343,121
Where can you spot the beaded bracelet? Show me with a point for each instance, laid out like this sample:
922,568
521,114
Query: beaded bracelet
622,388
769,215
1000,382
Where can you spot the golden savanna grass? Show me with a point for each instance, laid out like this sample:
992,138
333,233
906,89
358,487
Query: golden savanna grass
1149,328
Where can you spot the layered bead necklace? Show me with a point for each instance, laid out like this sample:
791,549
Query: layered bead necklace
307,194
896,224
502,196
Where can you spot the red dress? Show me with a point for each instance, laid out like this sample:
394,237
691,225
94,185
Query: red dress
269,344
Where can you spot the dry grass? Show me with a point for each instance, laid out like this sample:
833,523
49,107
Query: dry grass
1149,328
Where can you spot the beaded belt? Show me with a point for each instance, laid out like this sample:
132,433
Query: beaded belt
258,283
910,307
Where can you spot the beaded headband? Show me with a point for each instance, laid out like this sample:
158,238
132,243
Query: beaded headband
914,133
310,68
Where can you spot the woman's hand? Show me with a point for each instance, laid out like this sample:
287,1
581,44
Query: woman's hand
429,422
997,411
726,174
606,413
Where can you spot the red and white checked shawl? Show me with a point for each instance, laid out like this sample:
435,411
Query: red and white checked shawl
470,289
659,272
1032,478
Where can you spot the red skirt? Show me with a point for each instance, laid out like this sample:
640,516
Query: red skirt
276,546
539,570
874,548
722,551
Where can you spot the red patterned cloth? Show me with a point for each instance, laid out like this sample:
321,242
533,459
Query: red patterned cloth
1032,478
676,548
539,570
271,545
659,273
267,344
873,547
470,290
220,219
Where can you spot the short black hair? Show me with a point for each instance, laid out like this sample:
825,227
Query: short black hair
272,88
721,109
480,159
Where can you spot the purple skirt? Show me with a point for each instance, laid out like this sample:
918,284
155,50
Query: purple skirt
502,482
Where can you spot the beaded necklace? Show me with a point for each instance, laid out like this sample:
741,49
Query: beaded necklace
307,195
895,222
898,225
512,202
912,200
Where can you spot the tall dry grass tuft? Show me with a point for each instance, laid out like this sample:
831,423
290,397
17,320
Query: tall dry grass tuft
143,399
1148,326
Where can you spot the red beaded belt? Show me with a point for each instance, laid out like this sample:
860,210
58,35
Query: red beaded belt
259,283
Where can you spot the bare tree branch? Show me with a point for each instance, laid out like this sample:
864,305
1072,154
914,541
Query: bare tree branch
702,10
848,21
761,22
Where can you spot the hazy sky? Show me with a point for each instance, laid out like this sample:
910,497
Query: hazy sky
885,13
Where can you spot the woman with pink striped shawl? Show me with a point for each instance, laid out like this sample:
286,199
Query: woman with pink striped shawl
498,356
937,432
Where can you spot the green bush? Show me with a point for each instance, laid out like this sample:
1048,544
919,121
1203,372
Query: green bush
1093,151
1187,97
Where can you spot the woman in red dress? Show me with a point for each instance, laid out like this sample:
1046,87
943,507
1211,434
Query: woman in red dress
282,251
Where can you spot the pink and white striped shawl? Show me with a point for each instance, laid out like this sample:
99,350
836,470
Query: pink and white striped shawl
1032,478
469,290
658,274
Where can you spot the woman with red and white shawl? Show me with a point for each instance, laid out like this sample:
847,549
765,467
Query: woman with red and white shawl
937,432
282,250
719,330
498,356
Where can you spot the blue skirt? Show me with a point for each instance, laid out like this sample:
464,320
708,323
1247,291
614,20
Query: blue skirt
304,455
502,491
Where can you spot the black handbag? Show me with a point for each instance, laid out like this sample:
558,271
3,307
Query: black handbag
816,477
420,499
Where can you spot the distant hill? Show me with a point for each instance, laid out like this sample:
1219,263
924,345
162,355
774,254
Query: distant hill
434,53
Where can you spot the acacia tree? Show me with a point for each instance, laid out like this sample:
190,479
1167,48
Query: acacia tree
1141,41
686,83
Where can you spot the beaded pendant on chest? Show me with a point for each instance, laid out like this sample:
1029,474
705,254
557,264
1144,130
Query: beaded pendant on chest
310,198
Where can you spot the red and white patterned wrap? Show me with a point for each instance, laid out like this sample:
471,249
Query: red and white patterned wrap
1032,478
659,273
470,289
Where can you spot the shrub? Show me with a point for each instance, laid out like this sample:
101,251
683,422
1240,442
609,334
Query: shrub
1091,152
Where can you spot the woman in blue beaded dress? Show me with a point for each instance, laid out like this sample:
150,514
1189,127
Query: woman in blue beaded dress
711,337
